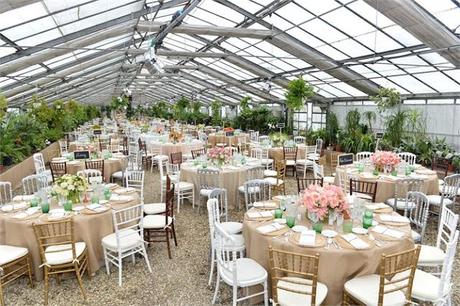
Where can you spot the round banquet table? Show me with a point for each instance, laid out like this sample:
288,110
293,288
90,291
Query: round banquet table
169,147
336,266
386,183
276,153
90,228
111,165
230,178
214,139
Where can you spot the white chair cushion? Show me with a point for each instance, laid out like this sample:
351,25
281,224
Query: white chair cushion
205,192
272,181
430,255
237,245
160,157
270,172
232,227
172,177
155,221
329,180
248,272
118,175
441,182
61,254
286,297
362,196
400,204
435,199
10,253
183,186
154,208
415,236
250,189
366,290
265,161
425,287
290,162
129,238
304,162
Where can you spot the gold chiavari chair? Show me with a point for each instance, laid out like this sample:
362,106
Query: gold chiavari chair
278,183
60,253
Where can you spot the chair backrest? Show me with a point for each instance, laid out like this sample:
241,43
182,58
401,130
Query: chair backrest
299,139
418,215
363,155
256,152
262,138
208,178
92,175
344,180
358,187
169,200
255,172
254,136
440,165
221,195
280,167
408,157
447,267
6,192
397,273
128,223
255,191
286,269
226,257
290,153
318,170
319,145
447,227
135,179
104,144
309,150
33,183
63,147
450,187
403,186
198,152
39,163
97,164
59,234
213,215
303,183
58,169
175,158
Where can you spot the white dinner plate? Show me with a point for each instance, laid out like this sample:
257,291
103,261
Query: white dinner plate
329,233
359,230
280,221
299,228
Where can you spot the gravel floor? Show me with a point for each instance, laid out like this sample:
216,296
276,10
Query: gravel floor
178,281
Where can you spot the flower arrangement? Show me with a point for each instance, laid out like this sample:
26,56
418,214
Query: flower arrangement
175,135
278,139
220,155
385,160
324,202
229,129
70,186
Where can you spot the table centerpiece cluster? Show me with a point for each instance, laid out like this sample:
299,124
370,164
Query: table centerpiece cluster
385,161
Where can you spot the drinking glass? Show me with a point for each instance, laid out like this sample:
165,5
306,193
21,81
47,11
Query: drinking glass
290,221
45,207
278,213
347,226
34,202
68,206
94,199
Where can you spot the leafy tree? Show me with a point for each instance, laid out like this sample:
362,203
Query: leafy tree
216,113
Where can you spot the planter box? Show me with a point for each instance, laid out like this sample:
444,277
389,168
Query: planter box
26,167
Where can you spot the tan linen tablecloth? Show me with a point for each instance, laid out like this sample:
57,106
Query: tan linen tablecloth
386,186
168,148
214,139
111,165
230,179
277,153
90,228
336,266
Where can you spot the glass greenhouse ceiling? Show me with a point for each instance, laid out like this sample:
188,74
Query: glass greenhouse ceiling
222,49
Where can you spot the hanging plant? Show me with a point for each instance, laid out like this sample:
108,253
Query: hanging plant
3,106
298,91
216,113
386,98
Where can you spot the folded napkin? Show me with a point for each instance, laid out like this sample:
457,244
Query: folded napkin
94,206
20,215
56,215
394,218
120,198
272,227
7,208
260,214
355,242
418,176
265,204
32,210
388,231
375,206
11,207
307,238
19,198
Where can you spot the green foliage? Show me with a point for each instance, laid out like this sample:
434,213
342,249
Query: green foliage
180,110
244,104
3,106
386,98
370,117
216,113
259,118
119,103
298,91
332,127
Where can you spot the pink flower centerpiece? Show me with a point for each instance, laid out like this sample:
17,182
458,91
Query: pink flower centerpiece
219,155
385,161
326,202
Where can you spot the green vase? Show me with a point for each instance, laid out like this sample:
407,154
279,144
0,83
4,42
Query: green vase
318,227
74,198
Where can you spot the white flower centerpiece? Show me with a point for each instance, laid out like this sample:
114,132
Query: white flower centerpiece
70,187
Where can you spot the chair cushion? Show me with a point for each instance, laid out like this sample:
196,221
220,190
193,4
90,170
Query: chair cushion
232,227
172,177
265,161
10,253
435,199
366,290
250,189
160,157
303,162
362,196
155,221
425,287
205,192
270,173
329,180
154,208
441,182
61,254
290,298
117,175
272,181
400,204
237,245
129,238
290,162
415,236
183,186
430,255
248,272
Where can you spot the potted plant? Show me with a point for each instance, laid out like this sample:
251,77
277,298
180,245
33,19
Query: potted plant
297,93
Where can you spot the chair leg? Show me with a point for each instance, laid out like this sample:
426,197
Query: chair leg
174,233
216,291
2,301
107,264
144,252
133,258
120,267
235,294
46,286
213,256
29,269
167,241
80,282
265,293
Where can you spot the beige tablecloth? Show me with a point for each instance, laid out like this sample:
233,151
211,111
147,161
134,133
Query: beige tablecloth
168,148
111,165
214,139
88,228
230,179
336,266
277,153
386,186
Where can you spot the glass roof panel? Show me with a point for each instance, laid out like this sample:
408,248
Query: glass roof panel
411,84
319,7
439,81
323,31
22,14
347,21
